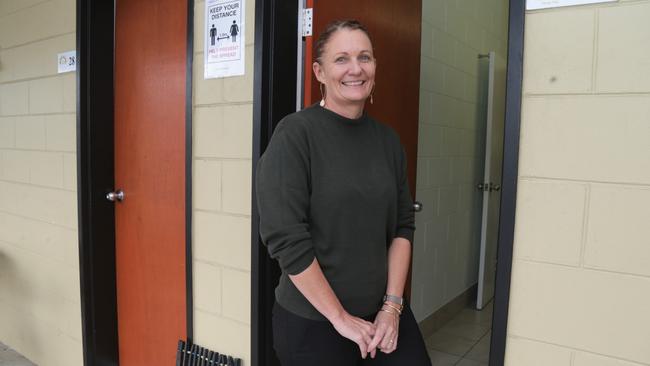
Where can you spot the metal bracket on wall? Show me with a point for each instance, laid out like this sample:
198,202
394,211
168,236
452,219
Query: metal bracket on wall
307,21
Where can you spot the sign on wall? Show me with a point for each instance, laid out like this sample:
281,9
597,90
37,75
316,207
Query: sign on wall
224,38
66,61
543,4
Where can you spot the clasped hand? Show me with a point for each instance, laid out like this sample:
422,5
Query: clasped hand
382,334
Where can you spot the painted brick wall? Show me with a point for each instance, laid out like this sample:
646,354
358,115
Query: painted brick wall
222,138
581,273
451,146
40,314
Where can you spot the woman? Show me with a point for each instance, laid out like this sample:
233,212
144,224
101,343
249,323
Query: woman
336,213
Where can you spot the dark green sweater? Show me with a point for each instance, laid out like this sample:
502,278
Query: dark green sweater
335,189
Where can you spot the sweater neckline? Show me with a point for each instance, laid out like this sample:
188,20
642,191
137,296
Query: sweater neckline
342,119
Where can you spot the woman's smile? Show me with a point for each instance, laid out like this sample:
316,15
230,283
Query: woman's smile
354,83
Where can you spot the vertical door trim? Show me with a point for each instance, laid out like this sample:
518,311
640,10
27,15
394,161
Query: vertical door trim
95,177
276,39
188,171
95,24
514,77
300,55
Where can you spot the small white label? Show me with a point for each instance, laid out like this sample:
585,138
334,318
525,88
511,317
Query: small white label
544,4
67,61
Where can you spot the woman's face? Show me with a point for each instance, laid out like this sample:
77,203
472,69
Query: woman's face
347,69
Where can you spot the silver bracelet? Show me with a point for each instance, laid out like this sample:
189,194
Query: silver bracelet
396,299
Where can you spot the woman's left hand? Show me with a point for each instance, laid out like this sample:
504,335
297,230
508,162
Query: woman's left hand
386,333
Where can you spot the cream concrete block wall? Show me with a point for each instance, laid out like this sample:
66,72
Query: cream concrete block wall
40,311
451,146
580,288
222,173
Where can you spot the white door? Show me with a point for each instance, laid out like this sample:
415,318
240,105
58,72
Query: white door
491,185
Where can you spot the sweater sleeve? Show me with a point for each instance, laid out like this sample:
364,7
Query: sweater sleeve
283,195
405,215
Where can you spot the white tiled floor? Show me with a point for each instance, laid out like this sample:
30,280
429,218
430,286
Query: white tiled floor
9,357
464,341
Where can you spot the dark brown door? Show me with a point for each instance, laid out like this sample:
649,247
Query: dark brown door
395,30
150,75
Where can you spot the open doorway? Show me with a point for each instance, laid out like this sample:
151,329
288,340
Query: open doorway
462,112
461,82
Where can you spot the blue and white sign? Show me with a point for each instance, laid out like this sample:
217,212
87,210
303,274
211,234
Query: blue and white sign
224,38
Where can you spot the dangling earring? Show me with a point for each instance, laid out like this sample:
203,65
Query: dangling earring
371,101
322,96
371,93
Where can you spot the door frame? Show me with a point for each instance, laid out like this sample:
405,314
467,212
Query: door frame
275,61
275,49
512,127
95,24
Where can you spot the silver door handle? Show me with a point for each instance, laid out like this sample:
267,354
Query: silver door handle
115,196
417,206
494,187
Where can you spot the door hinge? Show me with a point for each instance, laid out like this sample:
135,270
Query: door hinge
307,21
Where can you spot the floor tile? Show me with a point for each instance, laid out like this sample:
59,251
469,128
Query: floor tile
475,316
468,362
449,343
9,357
481,350
464,340
466,329
442,359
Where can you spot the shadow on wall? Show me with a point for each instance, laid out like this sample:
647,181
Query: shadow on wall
15,296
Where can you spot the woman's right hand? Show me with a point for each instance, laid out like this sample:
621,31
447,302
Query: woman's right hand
311,282
355,329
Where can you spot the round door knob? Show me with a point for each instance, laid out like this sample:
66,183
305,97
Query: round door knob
115,196
417,206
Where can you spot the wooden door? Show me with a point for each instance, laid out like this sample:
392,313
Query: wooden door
150,95
395,30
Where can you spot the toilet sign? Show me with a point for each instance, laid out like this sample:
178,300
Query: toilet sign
543,4
66,61
224,38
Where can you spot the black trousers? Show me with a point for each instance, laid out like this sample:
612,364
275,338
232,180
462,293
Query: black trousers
304,342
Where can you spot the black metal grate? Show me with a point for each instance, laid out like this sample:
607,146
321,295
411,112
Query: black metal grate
189,354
